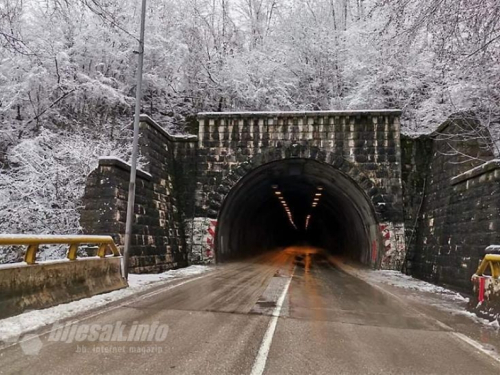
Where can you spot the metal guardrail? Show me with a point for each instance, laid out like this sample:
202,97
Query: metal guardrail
491,261
33,242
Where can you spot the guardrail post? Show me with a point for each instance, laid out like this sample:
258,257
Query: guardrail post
101,252
30,256
72,252
495,268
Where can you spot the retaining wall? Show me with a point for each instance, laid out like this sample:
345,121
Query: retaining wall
37,286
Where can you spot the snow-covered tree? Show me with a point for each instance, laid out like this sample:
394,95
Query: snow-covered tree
68,68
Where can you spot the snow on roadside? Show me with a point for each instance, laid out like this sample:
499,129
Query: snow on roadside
138,280
437,296
401,280
434,295
12,328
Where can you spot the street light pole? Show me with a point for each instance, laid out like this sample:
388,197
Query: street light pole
135,148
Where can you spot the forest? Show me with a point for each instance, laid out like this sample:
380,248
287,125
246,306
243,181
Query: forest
68,76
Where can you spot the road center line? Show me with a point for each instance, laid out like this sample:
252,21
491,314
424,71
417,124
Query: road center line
260,361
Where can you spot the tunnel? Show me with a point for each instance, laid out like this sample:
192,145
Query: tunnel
297,202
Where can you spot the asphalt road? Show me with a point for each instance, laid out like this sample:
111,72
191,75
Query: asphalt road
287,312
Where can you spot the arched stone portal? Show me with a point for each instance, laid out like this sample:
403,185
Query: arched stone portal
357,146
299,200
224,174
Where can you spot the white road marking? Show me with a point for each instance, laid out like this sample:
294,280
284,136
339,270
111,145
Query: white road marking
476,345
450,330
260,361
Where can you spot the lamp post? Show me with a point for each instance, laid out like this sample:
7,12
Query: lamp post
135,147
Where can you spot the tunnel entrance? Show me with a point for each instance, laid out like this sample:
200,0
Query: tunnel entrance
297,202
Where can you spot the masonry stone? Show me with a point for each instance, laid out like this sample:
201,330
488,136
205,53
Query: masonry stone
452,203
435,212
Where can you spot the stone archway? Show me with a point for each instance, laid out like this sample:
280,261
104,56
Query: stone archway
377,240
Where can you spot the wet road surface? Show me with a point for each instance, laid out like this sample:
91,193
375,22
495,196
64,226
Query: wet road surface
286,312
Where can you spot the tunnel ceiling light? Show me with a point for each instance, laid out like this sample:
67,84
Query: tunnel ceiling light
277,192
318,194
281,198
274,186
308,219
320,187
316,199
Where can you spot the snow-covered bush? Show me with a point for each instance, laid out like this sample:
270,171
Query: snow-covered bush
42,187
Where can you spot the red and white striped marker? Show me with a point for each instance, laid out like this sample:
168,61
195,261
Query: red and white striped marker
211,237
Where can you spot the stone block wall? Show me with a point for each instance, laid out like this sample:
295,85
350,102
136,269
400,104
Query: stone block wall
473,222
158,240
368,139
456,217
415,158
435,190
232,144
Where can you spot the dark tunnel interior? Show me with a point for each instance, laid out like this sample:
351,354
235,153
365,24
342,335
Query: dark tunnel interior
295,202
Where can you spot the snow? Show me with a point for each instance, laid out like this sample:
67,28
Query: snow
437,296
291,60
112,158
474,317
51,237
493,249
52,261
48,261
401,280
147,118
479,168
147,279
11,328
41,190
422,291
278,113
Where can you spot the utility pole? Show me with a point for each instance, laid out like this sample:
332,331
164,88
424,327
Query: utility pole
135,148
